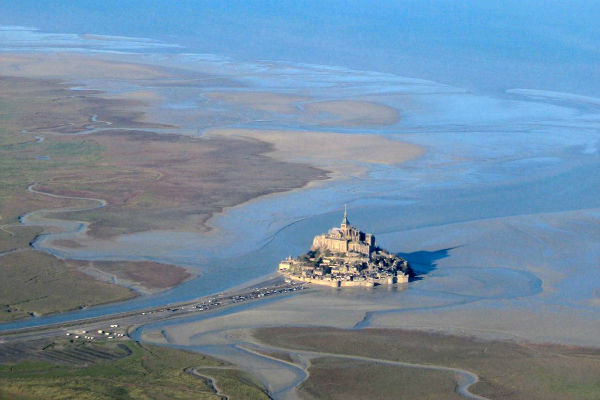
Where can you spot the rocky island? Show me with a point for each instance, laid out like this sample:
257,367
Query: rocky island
345,257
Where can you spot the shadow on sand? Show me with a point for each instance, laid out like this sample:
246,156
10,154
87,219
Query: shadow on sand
423,262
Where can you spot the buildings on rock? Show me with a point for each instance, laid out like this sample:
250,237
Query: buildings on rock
346,256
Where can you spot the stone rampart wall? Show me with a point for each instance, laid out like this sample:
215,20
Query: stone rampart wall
345,283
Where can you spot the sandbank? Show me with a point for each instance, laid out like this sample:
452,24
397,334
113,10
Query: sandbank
354,113
262,101
69,66
344,154
146,96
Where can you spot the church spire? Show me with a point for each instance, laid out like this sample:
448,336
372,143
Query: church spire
345,220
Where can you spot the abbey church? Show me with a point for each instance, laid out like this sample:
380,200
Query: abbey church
345,239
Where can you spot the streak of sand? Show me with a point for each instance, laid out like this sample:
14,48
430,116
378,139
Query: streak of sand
261,101
70,65
141,95
343,154
556,325
348,113
353,113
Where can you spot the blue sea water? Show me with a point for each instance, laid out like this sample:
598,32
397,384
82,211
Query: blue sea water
489,45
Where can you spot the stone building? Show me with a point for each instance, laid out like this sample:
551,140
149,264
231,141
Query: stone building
345,239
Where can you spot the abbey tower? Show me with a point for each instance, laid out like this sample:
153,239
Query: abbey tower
345,239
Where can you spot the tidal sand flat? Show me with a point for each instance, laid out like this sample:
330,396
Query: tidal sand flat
260,101
463,135
486,237
467,174
354,113
105,171
63,65
553,253
485,354
345,155
345,113
481,170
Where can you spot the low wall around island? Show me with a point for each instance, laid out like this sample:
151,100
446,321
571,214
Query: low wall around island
345,283
321,282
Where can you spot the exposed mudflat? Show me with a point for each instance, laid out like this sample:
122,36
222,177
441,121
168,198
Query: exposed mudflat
488,186
494,200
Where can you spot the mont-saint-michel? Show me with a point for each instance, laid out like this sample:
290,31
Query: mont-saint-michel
155,171
346,257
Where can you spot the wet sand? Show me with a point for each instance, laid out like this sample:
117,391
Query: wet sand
71,66
500,215
346,113
354,113
524,278
346,155
482,198
261,101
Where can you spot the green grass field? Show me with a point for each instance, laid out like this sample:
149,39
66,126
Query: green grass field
35,282
148,372
17,237
335,379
